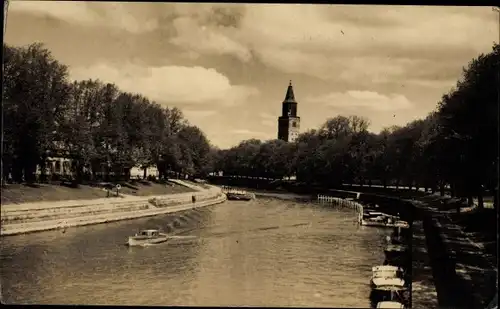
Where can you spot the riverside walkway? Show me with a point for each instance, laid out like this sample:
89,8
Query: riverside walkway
463,261
454,254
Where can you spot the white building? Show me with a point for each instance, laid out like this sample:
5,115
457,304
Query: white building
138,172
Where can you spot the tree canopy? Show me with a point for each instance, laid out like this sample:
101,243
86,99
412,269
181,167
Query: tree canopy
456,145
103,130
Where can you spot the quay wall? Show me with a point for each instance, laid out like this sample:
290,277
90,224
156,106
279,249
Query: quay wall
35,217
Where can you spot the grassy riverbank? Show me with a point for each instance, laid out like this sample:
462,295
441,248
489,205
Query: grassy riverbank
146,188
35,217
22,193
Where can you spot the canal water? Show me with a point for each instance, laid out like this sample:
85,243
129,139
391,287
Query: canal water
266,252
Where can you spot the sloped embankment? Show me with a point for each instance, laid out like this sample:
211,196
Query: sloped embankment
34,217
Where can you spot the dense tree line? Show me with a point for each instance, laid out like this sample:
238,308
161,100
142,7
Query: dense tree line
103,130
455,146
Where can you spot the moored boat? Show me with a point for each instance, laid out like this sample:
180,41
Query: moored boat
395,240
239,196
380,282
390,292
147,237
387,275
401,224
395,251
383,221
387,268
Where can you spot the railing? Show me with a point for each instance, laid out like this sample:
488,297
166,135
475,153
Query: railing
336,201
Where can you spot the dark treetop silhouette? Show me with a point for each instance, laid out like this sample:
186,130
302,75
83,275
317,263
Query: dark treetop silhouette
103,130
456,145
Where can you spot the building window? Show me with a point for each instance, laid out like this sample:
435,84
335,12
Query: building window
294,124
66,167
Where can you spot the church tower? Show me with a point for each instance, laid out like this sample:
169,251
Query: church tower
288,122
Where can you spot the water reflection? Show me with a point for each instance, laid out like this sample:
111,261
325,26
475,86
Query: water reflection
262,253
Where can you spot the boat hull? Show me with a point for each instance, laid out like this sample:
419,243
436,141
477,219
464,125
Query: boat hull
135,241
376,224
390,293
382,224
238,197
395,251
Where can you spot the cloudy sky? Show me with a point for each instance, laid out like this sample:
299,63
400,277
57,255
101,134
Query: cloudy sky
227,66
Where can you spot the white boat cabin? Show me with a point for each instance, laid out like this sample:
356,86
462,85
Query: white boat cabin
149,233
386,271
380,267
381,282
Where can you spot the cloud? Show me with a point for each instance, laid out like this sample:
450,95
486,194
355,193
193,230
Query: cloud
110,14
78,12
177,84
406,56
200,39
354,43
357,43
355,99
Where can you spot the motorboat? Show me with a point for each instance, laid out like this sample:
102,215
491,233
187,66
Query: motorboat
395,240
386,272
147,237
386,268
401,224
384,221
240,196
396,248
390,305
372,222
395,251
387,282
393,290
376,218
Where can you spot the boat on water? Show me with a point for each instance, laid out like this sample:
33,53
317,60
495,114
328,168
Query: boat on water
395,240
147,237
386,269
401,224
390,304
379,219
395,251
390,290
387,275
380,282
239,196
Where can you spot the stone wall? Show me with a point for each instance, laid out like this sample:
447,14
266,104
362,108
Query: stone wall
33,217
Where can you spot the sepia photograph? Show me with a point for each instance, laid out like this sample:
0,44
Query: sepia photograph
249,154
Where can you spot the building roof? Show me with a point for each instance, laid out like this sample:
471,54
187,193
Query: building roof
289,97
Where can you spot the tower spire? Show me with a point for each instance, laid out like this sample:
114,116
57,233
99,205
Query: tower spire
290,97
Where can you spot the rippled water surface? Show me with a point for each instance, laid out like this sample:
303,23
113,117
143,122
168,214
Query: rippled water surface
265,252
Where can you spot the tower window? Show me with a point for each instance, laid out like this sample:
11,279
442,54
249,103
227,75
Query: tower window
294,124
